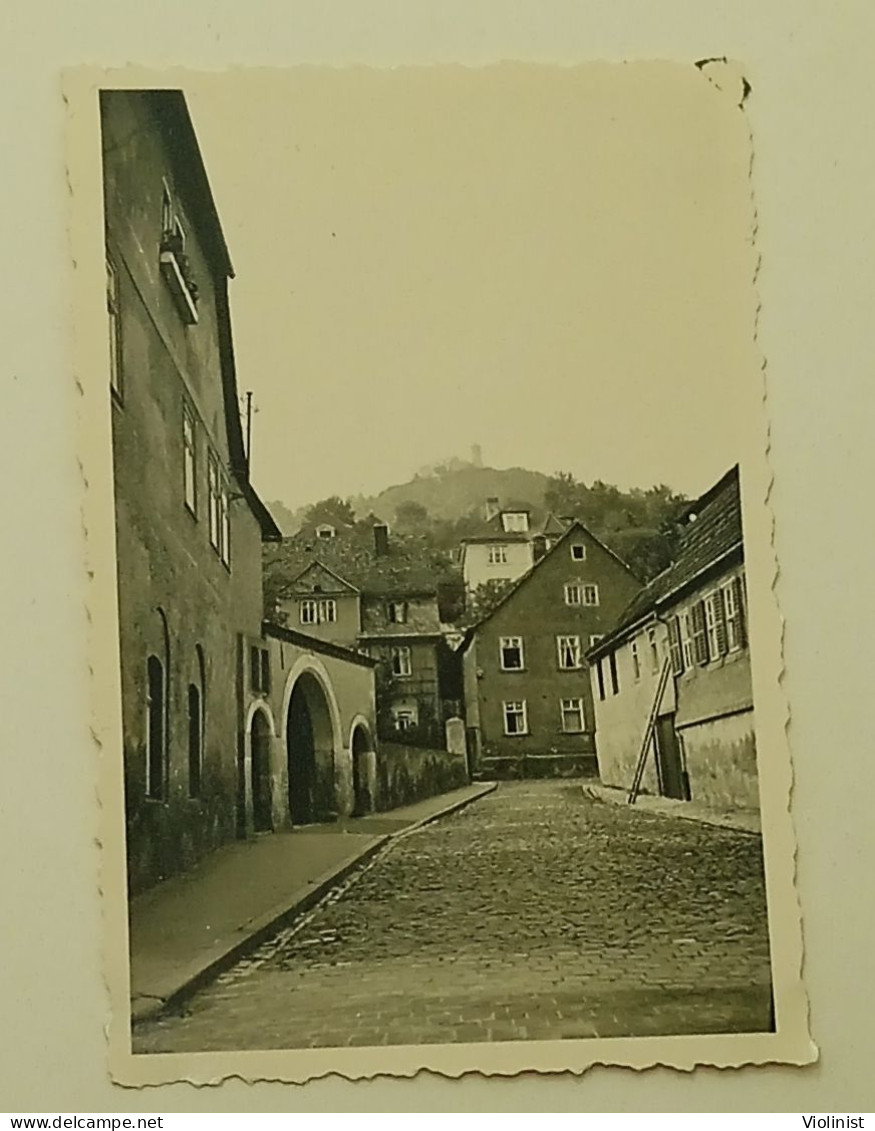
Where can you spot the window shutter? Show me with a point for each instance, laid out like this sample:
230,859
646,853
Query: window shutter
674,645
720,623
740,610
700,633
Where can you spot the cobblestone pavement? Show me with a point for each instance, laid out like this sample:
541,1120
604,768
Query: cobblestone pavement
535,913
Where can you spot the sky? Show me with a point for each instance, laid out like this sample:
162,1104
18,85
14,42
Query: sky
554,263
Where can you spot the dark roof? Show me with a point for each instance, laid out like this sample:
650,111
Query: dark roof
408,568
573,526
711,529
170,112
325,647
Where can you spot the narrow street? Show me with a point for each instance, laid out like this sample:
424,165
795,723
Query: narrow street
532,914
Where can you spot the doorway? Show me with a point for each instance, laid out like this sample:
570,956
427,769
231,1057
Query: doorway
262,794
669,767
310,753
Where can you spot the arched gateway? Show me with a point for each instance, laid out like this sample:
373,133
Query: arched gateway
310,749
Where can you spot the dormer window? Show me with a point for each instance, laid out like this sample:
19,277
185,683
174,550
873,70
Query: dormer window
396,612
326,530
515,522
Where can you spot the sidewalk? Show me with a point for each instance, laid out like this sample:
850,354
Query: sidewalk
742,820
188,929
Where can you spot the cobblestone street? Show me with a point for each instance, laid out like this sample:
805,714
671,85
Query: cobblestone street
534,913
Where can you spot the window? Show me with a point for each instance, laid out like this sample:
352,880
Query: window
498,555
259,670
700,633
195,741
732,611
156,729
572,715
115,340
404,719
600,675
615,679
217,507
578,552
636,662
396,612
654,649
686,626
213,504
515,522
595,638
715,625
401,661
590,594
675,649
319,612
569,651
166,212
225,525
515,720
188,458
573,593
510,650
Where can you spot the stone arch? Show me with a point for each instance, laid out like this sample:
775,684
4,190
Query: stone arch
363,760
311,733
260,734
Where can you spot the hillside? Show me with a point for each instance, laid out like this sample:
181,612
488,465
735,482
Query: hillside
447,493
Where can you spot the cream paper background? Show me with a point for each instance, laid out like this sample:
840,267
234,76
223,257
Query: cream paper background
815,287
711,400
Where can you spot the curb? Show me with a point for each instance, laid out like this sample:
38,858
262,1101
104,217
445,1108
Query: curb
271,921
700,818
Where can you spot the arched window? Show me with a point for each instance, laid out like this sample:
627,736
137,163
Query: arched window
196,717
158,716
156,729
195,740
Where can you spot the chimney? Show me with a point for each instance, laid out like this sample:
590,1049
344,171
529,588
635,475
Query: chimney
492,507
381,539
476,455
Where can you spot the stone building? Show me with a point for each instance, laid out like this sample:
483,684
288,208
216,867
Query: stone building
196,667
528,704
691,620
381,596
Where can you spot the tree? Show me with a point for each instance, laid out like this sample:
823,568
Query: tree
411,515
485,598
333,510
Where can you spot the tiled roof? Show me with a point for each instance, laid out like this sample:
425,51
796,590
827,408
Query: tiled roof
407,567
712,528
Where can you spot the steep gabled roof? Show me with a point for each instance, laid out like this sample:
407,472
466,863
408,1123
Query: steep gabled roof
516,586
711,531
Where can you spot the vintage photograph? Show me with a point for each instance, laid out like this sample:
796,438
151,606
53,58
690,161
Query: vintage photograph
438,484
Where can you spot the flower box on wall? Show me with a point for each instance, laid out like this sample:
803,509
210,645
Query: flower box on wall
180,287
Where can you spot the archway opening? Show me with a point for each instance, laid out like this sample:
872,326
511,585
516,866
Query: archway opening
262,802
310,752
363,801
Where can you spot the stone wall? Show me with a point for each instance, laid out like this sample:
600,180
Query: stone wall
406,774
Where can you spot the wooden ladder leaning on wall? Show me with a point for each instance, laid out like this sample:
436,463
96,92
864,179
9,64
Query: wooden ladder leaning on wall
638,776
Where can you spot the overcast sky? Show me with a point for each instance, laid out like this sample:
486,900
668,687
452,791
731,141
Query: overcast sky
554,263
